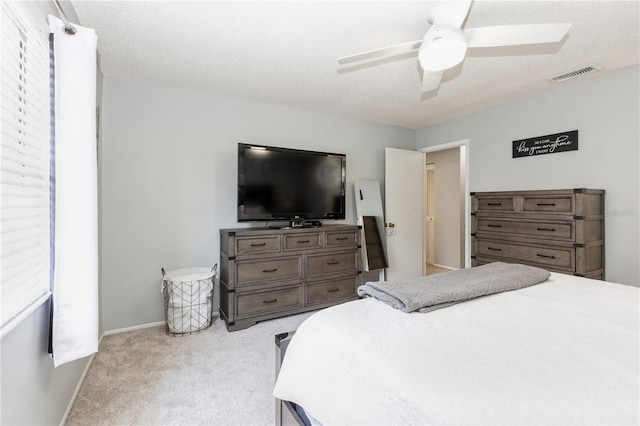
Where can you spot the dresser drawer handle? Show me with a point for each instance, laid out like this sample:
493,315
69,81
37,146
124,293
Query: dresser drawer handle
547,229
303,241
547,204
545,256
494,204
333,290
270,301
269,270
494,249
342,238
494,226
333,262
258,244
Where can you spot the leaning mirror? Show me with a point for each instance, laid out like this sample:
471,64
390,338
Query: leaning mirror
371,219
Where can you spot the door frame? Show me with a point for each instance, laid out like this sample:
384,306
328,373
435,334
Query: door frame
467,212
428,166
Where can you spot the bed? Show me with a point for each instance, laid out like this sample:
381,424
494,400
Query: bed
565,351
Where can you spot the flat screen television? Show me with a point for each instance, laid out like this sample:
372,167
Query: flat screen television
289,184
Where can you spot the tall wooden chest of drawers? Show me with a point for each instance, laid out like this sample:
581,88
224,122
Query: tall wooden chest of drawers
269,273
558,230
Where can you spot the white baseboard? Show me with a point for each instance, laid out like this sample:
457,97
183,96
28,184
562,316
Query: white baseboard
445,267
65,417
135,327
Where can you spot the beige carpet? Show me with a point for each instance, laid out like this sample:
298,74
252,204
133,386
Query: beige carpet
214,377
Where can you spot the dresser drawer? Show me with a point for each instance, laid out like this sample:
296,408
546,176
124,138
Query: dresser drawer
337,239
559,204
254,303
261,244
266,270
557,257
495,204
318,264
302,241
325,291
556,230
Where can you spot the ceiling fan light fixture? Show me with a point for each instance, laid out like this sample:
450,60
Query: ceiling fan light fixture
442,48
445,43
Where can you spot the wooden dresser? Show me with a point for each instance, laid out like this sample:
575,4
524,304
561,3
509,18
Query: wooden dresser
558,230
269,273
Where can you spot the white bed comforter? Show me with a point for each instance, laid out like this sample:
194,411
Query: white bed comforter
562,352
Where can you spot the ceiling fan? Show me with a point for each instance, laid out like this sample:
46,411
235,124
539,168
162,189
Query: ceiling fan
445,43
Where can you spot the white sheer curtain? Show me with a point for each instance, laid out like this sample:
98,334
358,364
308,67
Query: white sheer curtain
75,280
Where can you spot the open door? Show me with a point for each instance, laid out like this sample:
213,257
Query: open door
404,213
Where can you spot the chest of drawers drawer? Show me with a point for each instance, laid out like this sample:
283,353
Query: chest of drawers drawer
325,291
556,257
552,204
495,204
559,230
250,271
319,264
340,238
257,245
302,241
256,302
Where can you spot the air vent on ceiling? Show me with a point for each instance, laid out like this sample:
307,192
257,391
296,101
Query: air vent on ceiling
573,74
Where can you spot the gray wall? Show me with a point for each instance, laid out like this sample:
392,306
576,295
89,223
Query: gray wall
169,179
448,209
33,392
605,110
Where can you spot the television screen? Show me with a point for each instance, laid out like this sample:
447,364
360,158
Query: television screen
289,184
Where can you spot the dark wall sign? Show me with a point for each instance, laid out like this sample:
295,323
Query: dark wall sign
549,144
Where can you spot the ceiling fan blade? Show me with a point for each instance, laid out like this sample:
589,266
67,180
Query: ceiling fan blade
396,49
430,81
449,14
509,35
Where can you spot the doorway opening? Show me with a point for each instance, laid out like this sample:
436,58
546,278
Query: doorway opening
430,209
446,198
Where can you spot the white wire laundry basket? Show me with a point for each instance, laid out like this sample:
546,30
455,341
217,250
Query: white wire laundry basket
188,299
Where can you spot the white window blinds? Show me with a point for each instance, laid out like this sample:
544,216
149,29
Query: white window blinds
25,157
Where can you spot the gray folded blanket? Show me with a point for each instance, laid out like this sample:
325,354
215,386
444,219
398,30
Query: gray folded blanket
425,294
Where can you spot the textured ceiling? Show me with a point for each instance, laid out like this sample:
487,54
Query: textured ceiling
285,52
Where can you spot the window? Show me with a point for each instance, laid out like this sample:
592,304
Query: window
24,166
